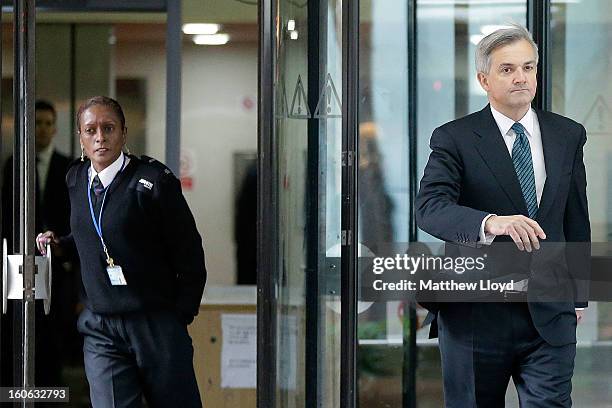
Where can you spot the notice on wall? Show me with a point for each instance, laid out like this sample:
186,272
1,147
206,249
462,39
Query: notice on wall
239,351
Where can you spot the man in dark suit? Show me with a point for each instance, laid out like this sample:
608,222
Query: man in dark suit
51,168
508,173
56,336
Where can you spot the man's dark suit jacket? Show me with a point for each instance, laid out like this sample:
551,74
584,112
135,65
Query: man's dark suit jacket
470,174
52,210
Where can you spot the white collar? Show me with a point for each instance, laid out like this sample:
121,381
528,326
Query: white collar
45,154
504,123
108,174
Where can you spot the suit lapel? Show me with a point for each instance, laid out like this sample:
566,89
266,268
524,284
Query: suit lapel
554,146
494,152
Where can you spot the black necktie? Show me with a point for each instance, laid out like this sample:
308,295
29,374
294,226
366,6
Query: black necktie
97,189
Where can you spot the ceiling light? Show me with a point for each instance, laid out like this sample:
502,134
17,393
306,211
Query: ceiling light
200,28
214,39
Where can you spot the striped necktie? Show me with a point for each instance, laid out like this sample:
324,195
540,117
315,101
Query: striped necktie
97,189
523,165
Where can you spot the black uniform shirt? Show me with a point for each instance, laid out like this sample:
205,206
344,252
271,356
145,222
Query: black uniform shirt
149,231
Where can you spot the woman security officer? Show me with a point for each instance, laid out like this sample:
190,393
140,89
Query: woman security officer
142,267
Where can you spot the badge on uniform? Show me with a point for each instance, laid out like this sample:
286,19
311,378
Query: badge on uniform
146,183
115,274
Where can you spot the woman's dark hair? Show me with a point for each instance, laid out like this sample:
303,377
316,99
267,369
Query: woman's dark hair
104,101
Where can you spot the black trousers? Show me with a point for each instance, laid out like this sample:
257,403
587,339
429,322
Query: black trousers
131,355
482,345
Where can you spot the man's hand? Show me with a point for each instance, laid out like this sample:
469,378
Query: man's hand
579,315
523,231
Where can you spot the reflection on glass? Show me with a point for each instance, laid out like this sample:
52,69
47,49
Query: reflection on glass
447,88
374,201
291,63
308,130
581,89
446,76
383,188
58,346
61,58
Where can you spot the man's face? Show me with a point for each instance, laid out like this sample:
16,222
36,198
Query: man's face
45,128
511,81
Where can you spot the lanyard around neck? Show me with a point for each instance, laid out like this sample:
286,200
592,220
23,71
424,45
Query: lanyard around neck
98,223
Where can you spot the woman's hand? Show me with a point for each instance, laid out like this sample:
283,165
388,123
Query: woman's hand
44,238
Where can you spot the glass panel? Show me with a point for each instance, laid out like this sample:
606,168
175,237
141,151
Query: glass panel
58,346
448,32
308,130
53,55
581,89
383,193
447,84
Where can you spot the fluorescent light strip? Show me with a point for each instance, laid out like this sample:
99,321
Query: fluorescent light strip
200,28
214,39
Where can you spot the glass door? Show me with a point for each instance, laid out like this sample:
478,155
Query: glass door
61,62
302,231
59,57
580,87
20,275
386,325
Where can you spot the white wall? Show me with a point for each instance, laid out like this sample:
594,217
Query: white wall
147,61
214,125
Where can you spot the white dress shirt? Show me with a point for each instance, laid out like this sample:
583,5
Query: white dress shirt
534,136
107,175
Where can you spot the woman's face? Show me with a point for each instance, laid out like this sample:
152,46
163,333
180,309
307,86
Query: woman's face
101,136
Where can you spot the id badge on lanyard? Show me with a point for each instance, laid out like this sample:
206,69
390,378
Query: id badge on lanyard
115,272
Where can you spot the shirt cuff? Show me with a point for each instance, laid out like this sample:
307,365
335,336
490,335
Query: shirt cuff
485,238
579,308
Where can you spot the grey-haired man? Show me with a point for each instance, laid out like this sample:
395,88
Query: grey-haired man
515,174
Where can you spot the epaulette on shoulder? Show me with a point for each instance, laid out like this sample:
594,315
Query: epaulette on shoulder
158,167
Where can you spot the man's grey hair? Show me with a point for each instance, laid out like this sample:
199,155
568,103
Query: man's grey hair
499,38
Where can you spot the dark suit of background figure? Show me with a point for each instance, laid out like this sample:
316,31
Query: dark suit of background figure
375,204
245,229
57,340
375,207
468,176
